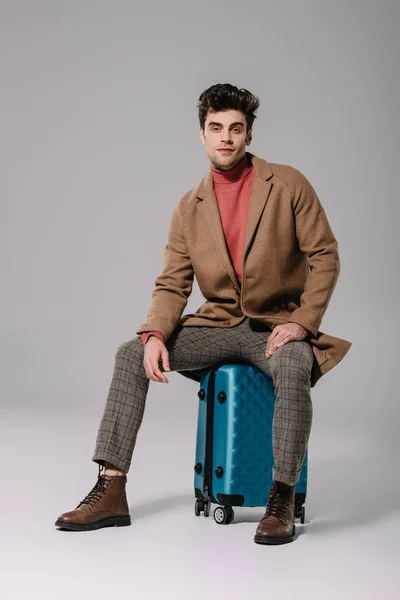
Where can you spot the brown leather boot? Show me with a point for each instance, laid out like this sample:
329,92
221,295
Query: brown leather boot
277,525
105,506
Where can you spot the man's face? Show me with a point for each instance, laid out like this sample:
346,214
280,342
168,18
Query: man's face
225,129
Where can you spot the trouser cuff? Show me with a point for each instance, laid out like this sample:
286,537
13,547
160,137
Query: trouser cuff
285,477
102,457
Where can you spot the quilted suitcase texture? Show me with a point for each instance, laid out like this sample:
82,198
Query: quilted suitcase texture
234,456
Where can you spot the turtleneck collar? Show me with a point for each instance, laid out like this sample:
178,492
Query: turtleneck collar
238,172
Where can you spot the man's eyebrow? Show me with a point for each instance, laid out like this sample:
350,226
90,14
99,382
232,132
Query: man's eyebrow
232,124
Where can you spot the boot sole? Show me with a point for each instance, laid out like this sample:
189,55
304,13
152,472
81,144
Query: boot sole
264,539
110,522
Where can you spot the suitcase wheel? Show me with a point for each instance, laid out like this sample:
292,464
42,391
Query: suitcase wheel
202,505
223,515
197,507
300,512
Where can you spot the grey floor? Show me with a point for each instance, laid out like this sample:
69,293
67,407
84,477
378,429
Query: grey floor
347,549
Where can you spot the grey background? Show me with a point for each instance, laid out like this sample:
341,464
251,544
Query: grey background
99,140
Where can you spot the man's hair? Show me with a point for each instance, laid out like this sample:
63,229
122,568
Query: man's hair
224,96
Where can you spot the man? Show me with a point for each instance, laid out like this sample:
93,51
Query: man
257,238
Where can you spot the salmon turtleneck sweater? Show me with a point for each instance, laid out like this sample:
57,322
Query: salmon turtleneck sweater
233,192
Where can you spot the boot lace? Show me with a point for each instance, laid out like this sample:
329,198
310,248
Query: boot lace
98,490
277,505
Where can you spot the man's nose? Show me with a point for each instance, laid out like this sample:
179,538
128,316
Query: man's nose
226,137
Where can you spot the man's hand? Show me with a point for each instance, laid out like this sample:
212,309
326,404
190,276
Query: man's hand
155,351
282,334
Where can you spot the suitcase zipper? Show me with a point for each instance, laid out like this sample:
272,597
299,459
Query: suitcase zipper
208,462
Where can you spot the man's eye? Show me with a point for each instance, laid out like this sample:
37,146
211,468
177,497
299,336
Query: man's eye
234,129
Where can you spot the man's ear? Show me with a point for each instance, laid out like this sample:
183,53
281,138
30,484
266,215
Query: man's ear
249,137
202,136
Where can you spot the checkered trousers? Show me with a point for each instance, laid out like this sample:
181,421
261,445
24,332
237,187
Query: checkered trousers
199,347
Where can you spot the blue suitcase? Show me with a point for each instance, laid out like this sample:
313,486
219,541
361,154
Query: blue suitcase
234,456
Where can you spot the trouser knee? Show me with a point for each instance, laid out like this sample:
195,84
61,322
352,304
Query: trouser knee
131,351
292,363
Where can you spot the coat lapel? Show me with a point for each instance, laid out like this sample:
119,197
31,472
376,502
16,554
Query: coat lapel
209,211
259,196
210,214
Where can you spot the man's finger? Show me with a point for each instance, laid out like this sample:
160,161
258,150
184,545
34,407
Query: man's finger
154,373
165,360
273,335
278,342
273,346
149,372
285,340
159,374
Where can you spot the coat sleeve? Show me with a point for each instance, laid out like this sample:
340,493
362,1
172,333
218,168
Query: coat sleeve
174,284
317,241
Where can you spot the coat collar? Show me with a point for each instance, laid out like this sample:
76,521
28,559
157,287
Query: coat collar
209,211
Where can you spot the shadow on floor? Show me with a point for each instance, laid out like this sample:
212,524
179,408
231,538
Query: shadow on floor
345,493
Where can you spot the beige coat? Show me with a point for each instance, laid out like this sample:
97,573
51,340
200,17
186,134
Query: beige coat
290,263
